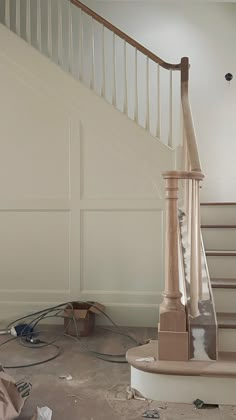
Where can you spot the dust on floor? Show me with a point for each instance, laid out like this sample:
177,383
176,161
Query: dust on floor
97,390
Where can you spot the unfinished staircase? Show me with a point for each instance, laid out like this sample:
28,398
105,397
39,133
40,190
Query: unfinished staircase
185,360
219,235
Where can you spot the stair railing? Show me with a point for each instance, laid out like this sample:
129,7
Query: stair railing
146,89
173,325
129,76
146,65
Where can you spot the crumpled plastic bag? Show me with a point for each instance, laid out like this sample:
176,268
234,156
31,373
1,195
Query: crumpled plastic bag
12,396
43,413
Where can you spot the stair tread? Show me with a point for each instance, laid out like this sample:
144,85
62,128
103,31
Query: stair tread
224,367
222,203
220,253
223,283
226,320
227,356
218,226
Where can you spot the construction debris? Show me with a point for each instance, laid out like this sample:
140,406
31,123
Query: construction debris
199,404
12,396
66,377
149,359
151,414
134,394
43,413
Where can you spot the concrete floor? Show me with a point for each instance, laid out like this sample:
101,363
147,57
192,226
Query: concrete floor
98,388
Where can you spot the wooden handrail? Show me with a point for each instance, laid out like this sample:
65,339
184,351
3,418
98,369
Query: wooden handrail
187,117
183,66
125,37
195,175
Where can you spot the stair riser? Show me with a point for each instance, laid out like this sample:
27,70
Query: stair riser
227,339
218,215
222,267
219,239
225,300
184,389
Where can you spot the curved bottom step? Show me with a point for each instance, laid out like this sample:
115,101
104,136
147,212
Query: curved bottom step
182,382
184,389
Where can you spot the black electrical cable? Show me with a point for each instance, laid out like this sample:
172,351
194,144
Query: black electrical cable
44,314
39,312
104,356
58,353
124,334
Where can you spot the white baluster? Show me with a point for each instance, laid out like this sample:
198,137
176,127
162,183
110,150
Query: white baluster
170,139
28,22
114,71
125,107
7,13
198,241
158,128
60,42
181,128
103,86
148,96
194,255
49,39
81,47
18,17
92,74
189,211
136,107
71,45
39,27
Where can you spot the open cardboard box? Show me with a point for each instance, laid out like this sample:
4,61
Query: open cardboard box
84,316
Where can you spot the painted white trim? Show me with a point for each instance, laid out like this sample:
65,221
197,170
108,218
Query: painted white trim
127,315
184,389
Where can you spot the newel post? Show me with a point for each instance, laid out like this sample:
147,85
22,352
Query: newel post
172,332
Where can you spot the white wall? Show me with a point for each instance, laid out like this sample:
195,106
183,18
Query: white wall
81,208
205,32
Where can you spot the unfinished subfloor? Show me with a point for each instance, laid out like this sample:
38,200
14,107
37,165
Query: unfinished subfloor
98,388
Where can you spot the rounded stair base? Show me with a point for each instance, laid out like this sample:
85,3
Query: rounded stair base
213,382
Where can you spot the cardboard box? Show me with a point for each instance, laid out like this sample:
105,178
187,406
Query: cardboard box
84,316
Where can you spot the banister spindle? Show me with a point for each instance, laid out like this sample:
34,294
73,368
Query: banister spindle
7,13
114,70
199,247
60,41
170,138
49,37
39,27
148,96
28,22
92,73
195,249
103,86
18,17
181,128
71,45
81,47
158,126
136,104
125,106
